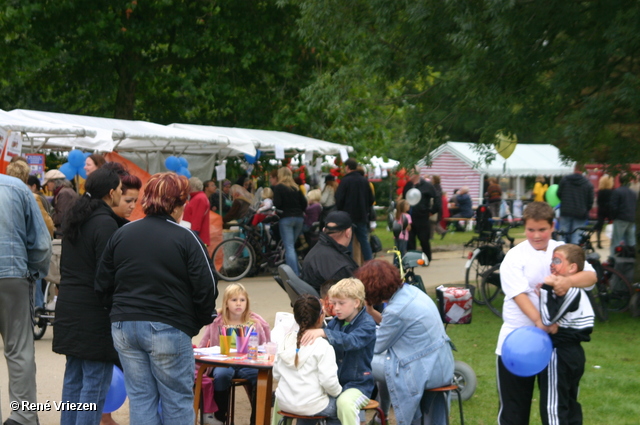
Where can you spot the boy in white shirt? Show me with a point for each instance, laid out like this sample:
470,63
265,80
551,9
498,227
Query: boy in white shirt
522,273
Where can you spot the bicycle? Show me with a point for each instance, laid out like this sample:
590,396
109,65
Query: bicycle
612,291
256,249
490,249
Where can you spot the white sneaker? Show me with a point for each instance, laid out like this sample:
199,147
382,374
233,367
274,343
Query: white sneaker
209,419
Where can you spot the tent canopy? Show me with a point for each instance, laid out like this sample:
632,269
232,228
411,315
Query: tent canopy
266,140
37,128
526,160
139,136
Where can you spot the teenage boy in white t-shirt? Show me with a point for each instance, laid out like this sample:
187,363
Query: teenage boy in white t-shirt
522,273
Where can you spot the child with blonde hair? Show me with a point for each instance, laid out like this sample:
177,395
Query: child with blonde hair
266,206
307,374
352,333
236,311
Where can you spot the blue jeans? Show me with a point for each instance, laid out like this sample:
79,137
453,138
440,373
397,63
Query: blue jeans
222,376
39,297
361,231
567,224
623,231
290,230
85,381
158,365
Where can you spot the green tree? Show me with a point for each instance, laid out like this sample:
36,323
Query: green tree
226,62
552,72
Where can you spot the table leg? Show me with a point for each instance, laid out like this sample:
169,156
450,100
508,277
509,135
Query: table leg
198,390
264,394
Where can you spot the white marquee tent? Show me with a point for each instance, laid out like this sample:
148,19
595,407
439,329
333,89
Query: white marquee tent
462,164
42,129
266,140
138,136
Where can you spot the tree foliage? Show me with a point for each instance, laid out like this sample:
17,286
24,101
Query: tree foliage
560,72
226,62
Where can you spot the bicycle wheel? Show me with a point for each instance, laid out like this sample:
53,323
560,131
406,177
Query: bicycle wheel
492,290
618,289
473,276
598,303
235,258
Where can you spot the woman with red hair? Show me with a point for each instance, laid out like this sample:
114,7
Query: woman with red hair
157,279
412,352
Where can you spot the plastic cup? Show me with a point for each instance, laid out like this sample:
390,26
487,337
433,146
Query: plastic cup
242,344
271,348
225,345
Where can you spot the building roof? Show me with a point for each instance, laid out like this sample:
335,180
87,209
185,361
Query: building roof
526,160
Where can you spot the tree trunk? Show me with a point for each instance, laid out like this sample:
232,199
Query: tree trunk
126,97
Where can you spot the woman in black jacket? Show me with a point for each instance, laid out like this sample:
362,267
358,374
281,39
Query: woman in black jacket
288,198
157,279
83,330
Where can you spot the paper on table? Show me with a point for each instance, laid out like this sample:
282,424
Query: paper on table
207,350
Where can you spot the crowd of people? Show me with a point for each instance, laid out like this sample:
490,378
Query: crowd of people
134,294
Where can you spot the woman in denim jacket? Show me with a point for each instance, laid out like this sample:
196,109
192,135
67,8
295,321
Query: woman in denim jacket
412,351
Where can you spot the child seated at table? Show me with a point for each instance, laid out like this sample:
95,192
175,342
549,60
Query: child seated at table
352,333
236,311
308,375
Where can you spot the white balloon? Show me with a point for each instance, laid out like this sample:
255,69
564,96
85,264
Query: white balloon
413,196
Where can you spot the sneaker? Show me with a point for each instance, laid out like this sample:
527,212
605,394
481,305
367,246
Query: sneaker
210,419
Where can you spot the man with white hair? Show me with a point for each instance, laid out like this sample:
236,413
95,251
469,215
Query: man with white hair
197,210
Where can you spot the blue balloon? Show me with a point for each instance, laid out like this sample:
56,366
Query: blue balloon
87,155
117,392
183,162
76,158
82,172
172,163
250,159
526,351
68,170
184,172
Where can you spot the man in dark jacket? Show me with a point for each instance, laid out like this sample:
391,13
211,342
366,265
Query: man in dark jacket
623,212
429,204
354,196
576,199
330,258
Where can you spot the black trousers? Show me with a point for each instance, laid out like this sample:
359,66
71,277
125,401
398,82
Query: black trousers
422,230
558,384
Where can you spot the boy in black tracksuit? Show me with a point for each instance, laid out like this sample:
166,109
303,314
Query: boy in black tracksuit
574,316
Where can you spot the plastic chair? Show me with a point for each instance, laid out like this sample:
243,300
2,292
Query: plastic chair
287,418
449,388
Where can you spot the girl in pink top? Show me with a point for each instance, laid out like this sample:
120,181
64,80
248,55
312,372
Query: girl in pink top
235,312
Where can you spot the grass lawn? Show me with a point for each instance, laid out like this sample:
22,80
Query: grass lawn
610,386
608,393
451,238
